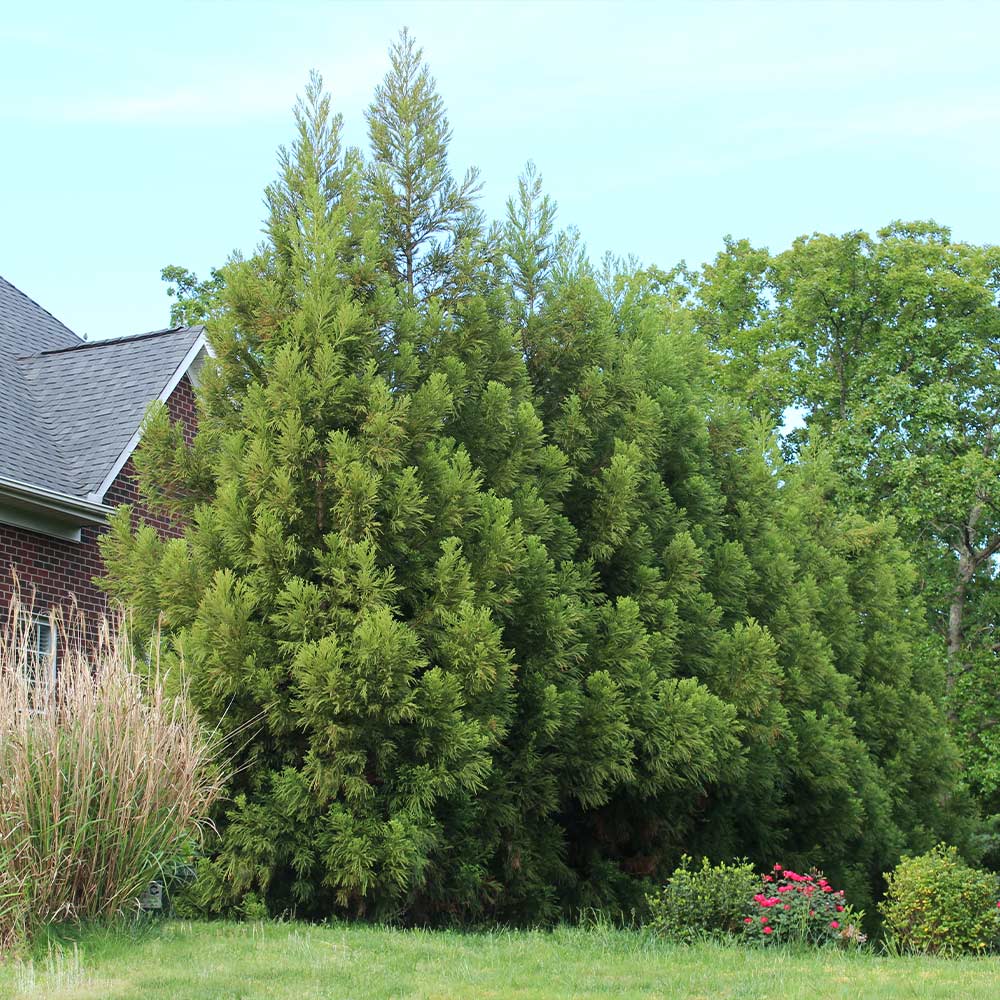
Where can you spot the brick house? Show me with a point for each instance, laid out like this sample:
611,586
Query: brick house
70,417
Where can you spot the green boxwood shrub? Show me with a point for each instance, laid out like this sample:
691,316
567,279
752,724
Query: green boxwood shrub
705,901
937,903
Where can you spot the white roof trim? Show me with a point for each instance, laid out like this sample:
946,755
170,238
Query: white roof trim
87,511
198,348
48,512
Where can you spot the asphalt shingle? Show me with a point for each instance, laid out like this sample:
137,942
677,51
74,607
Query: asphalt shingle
69,407
27,448
97,394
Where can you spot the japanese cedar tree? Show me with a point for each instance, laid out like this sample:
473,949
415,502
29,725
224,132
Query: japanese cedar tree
507,605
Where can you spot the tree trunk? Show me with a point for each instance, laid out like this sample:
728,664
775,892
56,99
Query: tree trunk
956,613
410,242
968,562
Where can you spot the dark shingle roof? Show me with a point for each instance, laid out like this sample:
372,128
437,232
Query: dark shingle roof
97,394
23,321
68,408
26,444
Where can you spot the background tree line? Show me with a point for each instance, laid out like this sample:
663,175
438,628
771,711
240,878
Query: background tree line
887,346
498,556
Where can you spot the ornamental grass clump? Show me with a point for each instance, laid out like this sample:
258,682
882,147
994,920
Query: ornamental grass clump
936,903
106,781
804,909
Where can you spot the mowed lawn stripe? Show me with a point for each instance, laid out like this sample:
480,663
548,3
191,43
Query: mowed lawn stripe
181,960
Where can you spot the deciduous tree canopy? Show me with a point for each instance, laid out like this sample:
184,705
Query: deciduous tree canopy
890,348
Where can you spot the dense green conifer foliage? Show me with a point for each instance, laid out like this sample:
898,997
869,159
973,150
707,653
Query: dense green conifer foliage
511,606
888,346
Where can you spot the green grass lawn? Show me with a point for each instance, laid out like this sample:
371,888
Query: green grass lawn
179,960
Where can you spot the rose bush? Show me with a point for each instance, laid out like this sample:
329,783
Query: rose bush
802,908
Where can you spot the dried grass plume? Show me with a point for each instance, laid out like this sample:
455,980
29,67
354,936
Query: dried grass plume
106,781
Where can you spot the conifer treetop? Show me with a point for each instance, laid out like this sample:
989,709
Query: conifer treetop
409,134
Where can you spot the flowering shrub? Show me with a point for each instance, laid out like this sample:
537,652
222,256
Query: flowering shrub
706,901
804,908
936,903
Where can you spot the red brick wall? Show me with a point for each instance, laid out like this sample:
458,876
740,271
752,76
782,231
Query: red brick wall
57,570
52,568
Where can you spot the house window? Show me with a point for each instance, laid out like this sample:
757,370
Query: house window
40,651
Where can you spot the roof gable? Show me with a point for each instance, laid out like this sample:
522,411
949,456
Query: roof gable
69,408
95,396
71,411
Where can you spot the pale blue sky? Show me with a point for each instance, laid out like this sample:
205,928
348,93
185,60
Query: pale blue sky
138,135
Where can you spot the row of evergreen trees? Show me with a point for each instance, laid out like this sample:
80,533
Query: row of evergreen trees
509,604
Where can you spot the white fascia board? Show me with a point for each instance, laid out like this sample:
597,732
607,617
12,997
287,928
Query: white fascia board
48,512
39,524
193,360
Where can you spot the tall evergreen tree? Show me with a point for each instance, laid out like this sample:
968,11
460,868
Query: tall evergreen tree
504,641
375,707
750,581
425,210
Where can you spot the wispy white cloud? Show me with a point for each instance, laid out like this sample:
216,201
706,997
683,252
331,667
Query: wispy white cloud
219,96
233,99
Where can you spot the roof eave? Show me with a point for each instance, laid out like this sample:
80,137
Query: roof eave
48,512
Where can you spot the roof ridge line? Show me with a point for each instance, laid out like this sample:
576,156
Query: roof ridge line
84,344
51,316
